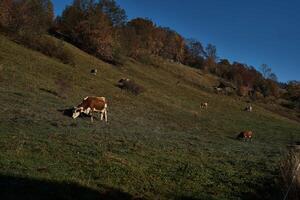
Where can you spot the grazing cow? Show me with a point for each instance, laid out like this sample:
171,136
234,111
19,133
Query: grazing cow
248,108
246,135
89,105
204,105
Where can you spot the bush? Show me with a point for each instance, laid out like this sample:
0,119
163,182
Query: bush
288,104
47,46
130,86
243,91
145,59
118,58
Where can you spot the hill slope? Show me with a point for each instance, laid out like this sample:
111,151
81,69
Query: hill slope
159,144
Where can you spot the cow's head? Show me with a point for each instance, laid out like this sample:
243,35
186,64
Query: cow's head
76,112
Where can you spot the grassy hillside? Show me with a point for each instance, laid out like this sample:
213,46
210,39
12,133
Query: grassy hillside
158,145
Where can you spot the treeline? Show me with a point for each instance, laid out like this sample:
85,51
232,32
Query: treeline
101,28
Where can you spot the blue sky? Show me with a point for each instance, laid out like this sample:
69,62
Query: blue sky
248,31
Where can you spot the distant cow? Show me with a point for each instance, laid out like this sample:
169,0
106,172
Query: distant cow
248,108
204,105
89,105
247,135
94,71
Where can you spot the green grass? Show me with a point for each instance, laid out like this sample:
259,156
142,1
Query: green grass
158,145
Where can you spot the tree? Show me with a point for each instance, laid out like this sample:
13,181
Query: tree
71,17
195,48
88,27
194,53
223,68
293,91
211,57
49,13
32,16
267,73
224,62
115,13
6,10
273,77
265,70
211,52
140,32
173,46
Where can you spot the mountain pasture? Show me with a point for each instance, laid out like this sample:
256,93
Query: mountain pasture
159,144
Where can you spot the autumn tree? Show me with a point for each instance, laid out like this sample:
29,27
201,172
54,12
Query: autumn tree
138,38
211,57
88,27
195,53
6,13
114,12
293,92
34,16
173,46
223,68
129,45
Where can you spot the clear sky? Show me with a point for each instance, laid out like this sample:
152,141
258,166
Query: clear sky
248,31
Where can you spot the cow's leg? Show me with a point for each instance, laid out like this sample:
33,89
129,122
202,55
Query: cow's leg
105,115
92,119
101,115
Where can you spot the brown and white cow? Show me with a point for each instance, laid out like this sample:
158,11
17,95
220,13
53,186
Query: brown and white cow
91,104
204,105
245,135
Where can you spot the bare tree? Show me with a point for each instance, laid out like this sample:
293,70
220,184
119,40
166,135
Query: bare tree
265,70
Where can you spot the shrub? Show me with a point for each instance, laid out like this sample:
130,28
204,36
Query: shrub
243,91
130,86
288,104
118,58
145,59
47,46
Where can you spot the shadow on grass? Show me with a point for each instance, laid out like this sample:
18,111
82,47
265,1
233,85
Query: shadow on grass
268,190
68,112
16,188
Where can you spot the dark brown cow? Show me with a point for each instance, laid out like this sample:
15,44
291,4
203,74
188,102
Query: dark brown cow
245,135
89,105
